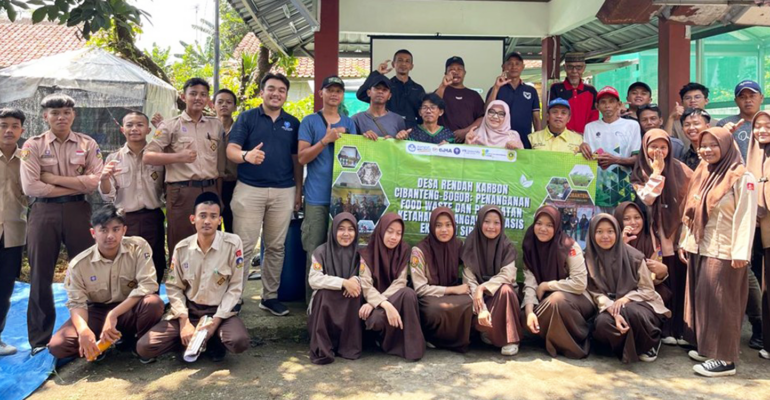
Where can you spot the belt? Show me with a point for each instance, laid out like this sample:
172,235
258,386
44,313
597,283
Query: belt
199,184
61,199
144,211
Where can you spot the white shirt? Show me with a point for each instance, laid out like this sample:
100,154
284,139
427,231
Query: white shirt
621,138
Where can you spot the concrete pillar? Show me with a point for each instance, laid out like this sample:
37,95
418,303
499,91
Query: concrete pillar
327,46
673,63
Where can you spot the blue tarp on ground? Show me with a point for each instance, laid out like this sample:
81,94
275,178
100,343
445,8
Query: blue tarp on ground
20,374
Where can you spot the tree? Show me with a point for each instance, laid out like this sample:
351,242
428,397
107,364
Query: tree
90,15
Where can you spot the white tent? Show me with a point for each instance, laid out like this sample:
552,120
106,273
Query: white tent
105,87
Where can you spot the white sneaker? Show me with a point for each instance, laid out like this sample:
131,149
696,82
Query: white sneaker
714,368
764,354
430,345
697,356
485,338
682,342
510,349
669,340
6,349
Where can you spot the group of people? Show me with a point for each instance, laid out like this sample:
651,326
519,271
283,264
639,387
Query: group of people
686,200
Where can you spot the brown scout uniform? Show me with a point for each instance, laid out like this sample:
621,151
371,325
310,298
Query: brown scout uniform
13,225
137,189
55,219
99,285
184,182
201,284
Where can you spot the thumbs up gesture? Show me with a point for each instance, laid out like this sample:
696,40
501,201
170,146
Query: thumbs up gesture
256,156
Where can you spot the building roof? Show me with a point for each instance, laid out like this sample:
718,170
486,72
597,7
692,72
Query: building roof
348,67
23,41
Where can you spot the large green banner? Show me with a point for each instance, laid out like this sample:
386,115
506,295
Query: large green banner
413,178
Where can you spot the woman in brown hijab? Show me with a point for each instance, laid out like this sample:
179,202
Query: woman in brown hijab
758,164
630,310
637,233
489,270
333,322
556,261
391,308
661,183
719,222
446,308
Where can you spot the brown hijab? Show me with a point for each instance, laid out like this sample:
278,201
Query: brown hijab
386,264
484,256
443,259
613,272
547,260
711,182
759,166
666,211
335,259
644,241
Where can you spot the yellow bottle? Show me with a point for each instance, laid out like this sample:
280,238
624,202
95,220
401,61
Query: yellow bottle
103,345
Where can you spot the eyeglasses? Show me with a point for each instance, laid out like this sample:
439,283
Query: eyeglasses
574,67
429,108
498,114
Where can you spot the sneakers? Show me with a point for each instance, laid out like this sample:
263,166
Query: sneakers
697,356
510,349
430,345
764,354
36,350
714,368
756,342
6,349
485,338
144,360
651,355
274,306
682,342
670,340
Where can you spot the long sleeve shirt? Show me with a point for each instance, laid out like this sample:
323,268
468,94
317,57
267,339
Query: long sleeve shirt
644,292
649,193
576,281
729,232
371,294
91,278
507,275
420,273
211,278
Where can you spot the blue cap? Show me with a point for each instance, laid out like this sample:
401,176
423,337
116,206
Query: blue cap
747,84
558,102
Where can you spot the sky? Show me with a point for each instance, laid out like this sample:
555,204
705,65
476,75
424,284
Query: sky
171,21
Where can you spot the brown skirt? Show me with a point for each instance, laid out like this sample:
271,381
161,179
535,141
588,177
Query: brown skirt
674,290
713,313
766,300
563,319
334,327
446,321
409,342
643,333
506,322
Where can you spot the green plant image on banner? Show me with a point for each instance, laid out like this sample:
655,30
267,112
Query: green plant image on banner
413,178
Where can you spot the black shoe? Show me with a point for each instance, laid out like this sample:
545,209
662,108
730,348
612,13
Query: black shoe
651,355
756,342
714,368
36,350
144,360
274,306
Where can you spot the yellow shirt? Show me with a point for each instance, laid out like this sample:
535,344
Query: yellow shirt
567,142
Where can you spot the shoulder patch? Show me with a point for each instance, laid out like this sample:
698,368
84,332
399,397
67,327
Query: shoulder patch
158,133
98,153
24,154
317,266
750,186
572,252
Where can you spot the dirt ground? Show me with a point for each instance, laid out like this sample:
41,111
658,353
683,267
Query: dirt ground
277,367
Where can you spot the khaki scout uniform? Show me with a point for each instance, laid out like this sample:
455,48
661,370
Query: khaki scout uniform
201,284
55,219
184,182
99,285
137,189
13,225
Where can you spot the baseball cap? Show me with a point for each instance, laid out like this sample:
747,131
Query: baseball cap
747,84
639,85
514,54
559,102
454,60
333,80
608,90
381,80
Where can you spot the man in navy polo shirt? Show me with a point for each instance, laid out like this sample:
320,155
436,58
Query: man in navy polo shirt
317,135
263,142
522,99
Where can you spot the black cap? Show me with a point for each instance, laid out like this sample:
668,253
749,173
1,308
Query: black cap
639,85
454,60
514,54
381,80
206,196
333,80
